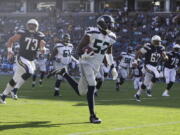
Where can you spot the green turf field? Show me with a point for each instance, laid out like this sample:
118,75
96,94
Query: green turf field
37,112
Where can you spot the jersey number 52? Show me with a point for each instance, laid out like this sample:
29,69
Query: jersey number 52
32,44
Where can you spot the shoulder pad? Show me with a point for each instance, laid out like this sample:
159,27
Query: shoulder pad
70,45
92,30
58,45
147,46
162,47
112,35
123,53
21,31
41,34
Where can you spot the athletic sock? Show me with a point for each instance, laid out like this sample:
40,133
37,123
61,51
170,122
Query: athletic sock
90,99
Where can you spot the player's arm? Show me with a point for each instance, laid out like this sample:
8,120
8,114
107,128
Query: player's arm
164,55
54,53
84,42
42,46
10,44
110,61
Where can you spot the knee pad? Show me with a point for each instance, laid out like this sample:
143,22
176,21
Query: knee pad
143,86
153,79
26,76
12,82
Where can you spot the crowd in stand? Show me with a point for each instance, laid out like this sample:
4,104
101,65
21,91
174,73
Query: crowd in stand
132,30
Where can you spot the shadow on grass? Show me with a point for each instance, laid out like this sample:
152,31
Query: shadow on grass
34,124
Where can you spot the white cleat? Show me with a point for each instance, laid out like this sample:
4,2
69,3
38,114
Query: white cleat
2,101
165,94
14,96
149,95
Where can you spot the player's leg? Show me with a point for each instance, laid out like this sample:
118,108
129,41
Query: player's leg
89,74
136,83
29,69
98,85
42,73
170,76
57,85
34,79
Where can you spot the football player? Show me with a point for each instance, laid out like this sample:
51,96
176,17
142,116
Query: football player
62,56
126,58
170,68
152,52
99,40
41,67
136,73
30,41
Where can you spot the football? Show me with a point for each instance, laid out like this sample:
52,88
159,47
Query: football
87,49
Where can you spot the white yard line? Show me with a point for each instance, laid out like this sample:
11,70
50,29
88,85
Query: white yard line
125,128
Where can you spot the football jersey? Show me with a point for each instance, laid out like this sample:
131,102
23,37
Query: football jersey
173,61
126,59
41,58
152,53
29,43
64,53
99,43
137,72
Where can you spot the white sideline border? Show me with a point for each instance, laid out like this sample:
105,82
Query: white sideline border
125,128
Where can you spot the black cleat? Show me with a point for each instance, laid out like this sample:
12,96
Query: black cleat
149,93
117,87
137,97
57,94
2,99
95,120
33,85
96,94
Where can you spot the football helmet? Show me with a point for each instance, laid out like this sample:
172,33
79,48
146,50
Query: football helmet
156,40
32,25
176,47
66,38
105,23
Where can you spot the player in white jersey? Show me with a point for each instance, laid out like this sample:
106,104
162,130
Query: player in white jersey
96,42
41,67
136,74
62,58
124,66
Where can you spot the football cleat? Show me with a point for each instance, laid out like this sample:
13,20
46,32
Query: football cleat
137,97
13,95
95,120
149,93
2,100
57,94
117,87
165,94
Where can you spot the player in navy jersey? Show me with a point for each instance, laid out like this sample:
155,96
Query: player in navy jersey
30,40
170,68
152,52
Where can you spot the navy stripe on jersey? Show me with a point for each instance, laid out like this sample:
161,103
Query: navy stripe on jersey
93,32
112,37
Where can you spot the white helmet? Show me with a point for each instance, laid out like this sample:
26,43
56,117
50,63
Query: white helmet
34,22
156,39
176,46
